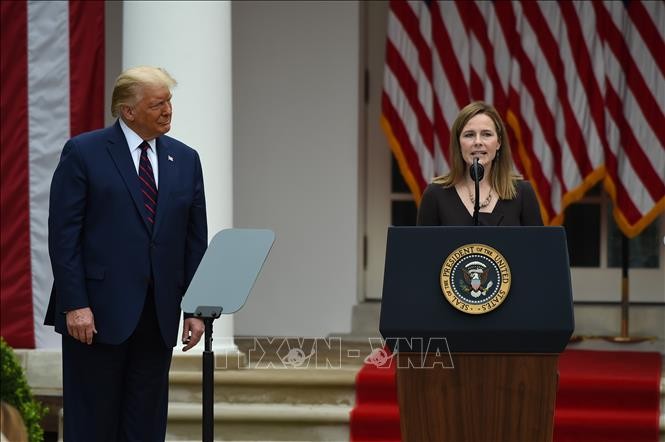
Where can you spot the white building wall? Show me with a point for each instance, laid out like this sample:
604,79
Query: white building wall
295,161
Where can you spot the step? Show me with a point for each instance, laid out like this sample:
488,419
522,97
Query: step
299,352
285,352
193,360
278,386
268,422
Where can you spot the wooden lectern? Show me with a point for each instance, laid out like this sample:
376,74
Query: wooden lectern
488,376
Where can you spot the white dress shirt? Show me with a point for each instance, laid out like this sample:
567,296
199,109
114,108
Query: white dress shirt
134,142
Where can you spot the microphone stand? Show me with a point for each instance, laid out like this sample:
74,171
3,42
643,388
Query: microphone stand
477,171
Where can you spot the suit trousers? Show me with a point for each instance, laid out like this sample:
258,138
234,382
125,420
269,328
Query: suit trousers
117,392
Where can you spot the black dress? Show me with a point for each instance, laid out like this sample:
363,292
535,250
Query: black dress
442,206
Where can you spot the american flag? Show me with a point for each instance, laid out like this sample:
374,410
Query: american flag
52,68
580,85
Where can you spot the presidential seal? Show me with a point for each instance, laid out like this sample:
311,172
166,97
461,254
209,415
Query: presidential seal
475,278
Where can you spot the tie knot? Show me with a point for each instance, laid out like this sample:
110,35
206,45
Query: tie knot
144,146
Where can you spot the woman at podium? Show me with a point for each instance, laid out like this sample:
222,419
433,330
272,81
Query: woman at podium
504,198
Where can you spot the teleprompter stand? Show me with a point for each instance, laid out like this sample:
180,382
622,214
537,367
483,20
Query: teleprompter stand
208,315
222,284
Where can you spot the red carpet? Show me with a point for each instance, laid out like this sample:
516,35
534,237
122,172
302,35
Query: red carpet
603,396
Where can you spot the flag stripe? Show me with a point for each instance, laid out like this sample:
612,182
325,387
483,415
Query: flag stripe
587,100
649,178
442,44
622,198
473,19
546,71
581,86
649,32
479,18
417,61
86,36
413,26
395,63
637,48
524,142
543,120
410,123
656,14
404,144
533,143
551,51
48,72
48,49
16,286
407,17
635,81
589,92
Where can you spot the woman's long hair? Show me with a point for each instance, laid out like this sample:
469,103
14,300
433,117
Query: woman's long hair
502,175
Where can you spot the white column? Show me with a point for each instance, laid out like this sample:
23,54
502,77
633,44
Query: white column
192,41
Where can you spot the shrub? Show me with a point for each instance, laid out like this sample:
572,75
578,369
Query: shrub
14,390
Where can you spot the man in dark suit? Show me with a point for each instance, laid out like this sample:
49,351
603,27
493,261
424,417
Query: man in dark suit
127,230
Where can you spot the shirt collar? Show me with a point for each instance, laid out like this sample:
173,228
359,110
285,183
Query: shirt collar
133,139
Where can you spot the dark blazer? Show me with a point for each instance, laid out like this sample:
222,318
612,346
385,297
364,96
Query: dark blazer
442,206
103,253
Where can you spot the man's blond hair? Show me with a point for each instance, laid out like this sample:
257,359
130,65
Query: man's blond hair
129,85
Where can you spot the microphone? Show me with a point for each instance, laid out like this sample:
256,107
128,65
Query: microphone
477,172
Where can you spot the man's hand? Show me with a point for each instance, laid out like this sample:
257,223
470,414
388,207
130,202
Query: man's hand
81,325
192,331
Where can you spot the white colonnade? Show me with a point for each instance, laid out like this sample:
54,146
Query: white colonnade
192,41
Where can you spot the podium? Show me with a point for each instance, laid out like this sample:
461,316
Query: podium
476,318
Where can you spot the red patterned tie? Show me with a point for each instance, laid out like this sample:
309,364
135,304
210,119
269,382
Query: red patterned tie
148,186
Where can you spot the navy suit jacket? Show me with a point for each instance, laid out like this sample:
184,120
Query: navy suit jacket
103,253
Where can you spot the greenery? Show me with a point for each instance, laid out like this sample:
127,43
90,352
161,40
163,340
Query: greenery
14,390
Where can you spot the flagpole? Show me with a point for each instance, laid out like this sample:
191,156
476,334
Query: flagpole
624,337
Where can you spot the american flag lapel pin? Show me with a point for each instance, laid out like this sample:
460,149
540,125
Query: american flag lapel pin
170,158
